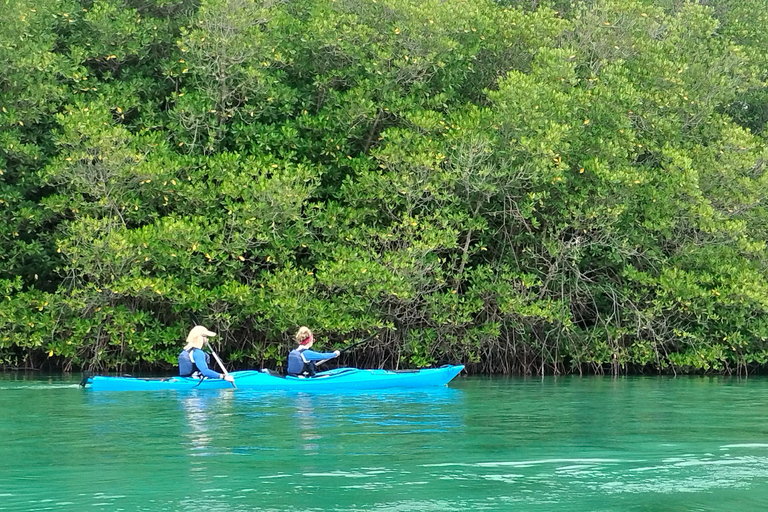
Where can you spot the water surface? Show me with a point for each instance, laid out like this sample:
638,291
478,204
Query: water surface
565,444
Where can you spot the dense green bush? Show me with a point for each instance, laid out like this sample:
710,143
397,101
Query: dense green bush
520,186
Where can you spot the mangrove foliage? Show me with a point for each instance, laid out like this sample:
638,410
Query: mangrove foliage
521,186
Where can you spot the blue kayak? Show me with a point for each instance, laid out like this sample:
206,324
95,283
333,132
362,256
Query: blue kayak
336,379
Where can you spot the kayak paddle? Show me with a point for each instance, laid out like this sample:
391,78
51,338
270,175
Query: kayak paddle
349,347
221,365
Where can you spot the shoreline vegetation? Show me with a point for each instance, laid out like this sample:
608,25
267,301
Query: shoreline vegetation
522,187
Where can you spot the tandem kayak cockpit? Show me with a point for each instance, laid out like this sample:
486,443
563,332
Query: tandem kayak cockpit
336,379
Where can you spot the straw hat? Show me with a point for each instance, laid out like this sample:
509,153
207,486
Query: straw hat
196,335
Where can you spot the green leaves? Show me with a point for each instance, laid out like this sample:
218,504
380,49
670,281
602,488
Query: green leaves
521,190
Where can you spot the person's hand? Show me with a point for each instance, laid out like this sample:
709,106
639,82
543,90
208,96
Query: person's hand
229,378
337,352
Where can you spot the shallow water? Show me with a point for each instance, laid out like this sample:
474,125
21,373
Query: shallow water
565,444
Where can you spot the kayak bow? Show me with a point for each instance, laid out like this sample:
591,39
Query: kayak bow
336,379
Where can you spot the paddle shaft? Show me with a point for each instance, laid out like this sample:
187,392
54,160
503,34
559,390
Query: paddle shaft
347,348
366,340
221,365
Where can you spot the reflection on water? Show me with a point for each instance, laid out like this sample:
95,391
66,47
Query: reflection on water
305,430
197,413
482,444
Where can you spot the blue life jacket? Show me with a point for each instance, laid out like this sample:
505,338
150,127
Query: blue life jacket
298,364
187,366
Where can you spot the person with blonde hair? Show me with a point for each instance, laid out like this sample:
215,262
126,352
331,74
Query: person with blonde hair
193,361
302,360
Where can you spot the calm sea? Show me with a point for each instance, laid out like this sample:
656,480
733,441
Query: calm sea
557,444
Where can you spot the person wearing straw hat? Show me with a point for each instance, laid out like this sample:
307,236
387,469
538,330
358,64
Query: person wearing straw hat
193,361
302,360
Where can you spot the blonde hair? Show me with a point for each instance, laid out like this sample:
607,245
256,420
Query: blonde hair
303,334
195,337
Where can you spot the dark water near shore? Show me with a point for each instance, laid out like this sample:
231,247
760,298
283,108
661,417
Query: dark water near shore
566,444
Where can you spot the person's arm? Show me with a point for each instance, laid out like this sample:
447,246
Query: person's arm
202,365
311,355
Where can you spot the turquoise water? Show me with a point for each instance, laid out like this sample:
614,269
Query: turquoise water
565,444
